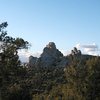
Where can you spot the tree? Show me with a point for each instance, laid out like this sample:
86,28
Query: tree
9,47
10,65
93,68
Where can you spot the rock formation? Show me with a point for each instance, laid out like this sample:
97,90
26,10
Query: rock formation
32,61
51,56
75,52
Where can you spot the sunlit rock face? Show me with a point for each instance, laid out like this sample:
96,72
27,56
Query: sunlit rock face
51,56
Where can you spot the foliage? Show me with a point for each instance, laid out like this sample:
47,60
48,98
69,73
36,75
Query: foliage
79,80
10,65
82,77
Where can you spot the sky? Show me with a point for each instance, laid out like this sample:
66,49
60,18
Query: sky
68,23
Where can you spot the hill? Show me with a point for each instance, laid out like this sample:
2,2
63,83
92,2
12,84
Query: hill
50,77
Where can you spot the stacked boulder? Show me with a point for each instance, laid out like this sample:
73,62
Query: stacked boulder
51,56
75,52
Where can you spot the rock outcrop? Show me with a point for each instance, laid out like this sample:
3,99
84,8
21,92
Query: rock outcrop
32,61
51,56
75,52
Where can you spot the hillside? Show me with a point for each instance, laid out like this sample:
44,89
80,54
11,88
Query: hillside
50,77
77,79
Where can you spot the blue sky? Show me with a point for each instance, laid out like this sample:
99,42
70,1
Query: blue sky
65,22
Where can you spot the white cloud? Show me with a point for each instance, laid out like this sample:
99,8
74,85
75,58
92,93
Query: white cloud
91,49
78,46
65,52
24,55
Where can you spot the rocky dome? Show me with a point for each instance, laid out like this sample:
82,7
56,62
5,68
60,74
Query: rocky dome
51,50
51,56
51,45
